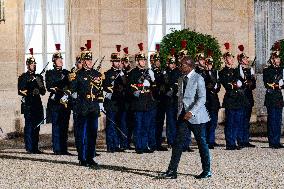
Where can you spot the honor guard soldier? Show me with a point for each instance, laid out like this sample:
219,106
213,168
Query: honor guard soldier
78,66
57,83
88,85
234,100
200,60
158,96
141,81
30,87
171,76
213,86
249,81
187,141
126,114
273,82
113,86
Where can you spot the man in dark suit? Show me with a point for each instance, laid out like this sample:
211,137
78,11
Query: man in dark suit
192,115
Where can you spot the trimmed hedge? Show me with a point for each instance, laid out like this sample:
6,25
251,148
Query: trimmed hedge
173,40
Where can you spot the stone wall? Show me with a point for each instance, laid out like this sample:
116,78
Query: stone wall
227,20
12,61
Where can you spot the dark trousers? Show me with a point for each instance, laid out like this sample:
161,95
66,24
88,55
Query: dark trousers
160,117
88,136
112,138
31,133
60,122
211,127
199,131
144,130
234,124
274,123
76,125
123,141
130,121
246,133
171,126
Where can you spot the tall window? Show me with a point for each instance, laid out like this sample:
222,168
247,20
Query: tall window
268,28
44,26
162,16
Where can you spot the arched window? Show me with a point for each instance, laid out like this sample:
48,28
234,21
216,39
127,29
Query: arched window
44,26
162,16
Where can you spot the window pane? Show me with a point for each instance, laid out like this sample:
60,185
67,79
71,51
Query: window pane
55,34
33,12
38,59
154,12
34,40
173,10
170,27
55,12
155,35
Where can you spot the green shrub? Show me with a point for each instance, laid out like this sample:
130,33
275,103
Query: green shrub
173,40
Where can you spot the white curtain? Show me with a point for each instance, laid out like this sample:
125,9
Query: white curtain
154,17
55,17
32,16
268,28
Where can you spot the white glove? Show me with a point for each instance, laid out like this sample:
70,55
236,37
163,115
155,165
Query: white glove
146,83
137,93
101,107
74,95
108,96
164,72
151,73
252,72
281,83
239,83
216,86
121,73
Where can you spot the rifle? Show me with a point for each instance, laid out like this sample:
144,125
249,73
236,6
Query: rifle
43,70
100,64
95,63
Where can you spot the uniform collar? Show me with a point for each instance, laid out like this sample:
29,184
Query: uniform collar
189,75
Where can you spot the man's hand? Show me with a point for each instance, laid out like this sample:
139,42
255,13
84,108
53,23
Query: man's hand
187,116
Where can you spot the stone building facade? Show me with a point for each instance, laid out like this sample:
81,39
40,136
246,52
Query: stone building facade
111,22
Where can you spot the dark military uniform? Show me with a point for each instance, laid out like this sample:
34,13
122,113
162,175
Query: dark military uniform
249,81
213,86
158,93
114,86
57,83
30,86
144,107
171,102
274,103
234,103
88,85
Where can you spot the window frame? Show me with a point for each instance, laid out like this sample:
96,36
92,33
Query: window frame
44,54
164,23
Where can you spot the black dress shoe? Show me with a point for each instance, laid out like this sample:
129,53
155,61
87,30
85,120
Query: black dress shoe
83,163
189,149
161,148
97,154
280,146
233,148
119,150
66,153
210,146
249,145
216,144
139,151
149,151
167,175
206,174
92,163
130,148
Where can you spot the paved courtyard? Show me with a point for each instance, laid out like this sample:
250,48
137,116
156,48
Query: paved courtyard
259,167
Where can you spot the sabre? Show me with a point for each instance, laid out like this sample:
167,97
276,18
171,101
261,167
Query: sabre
40,123
100,64
95,62
43,70
115,125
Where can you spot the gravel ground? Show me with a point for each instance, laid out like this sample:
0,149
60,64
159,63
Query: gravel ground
259,167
